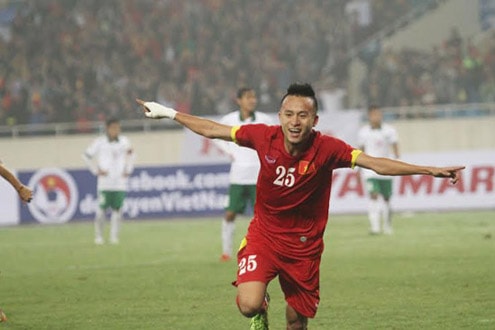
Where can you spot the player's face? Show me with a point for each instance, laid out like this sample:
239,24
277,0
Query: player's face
248,101
113,130
297,118
375,118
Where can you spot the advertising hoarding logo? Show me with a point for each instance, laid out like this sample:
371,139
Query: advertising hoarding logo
55,196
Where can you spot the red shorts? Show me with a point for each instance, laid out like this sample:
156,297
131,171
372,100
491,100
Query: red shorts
299,279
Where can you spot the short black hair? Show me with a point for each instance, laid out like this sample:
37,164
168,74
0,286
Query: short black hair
243,90
301,89
111,121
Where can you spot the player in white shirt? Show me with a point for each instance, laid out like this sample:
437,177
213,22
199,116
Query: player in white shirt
244,167
111,159
379,140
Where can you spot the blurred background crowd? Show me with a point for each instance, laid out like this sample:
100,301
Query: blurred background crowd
456,71
83,61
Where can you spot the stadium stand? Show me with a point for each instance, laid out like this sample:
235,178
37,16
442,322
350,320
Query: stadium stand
82,61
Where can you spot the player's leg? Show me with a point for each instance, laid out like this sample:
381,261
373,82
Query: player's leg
373,206
228,231
99,220
115,222
236,204
295,321
255,271
3,317
251,298
116,217
386,192
300,280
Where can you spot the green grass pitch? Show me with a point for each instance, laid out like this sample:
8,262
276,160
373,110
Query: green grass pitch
436,272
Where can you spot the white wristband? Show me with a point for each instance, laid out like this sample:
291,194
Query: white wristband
157,111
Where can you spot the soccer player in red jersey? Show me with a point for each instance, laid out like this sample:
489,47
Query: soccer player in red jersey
285,236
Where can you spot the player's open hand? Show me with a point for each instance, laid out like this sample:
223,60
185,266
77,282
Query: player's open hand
155,110
448,172
25,194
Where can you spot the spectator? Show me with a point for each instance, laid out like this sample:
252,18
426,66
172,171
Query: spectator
78,53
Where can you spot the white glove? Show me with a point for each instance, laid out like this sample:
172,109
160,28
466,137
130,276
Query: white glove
157,111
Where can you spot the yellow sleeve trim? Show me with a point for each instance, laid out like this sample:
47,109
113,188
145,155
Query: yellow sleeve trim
233,131
355,153
243,244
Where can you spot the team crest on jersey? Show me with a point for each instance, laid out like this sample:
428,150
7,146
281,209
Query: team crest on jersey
270,159
306,167
55,196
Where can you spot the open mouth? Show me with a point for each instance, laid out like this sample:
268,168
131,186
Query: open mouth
294,132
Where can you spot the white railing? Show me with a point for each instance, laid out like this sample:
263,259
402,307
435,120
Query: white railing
440,111
133,125
146,125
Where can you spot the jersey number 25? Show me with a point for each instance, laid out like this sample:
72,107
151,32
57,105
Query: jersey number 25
247,265
285,176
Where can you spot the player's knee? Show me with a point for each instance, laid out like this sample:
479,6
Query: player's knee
249,307
230,216
295,321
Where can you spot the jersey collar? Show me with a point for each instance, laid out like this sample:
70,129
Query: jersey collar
252,116
114,140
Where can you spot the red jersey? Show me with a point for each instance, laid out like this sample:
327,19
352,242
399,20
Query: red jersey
293,192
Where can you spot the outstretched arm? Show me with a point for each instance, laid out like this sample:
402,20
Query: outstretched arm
205,127
386,166
24,192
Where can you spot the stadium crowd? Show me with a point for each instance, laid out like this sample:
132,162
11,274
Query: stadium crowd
455,72
81,61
